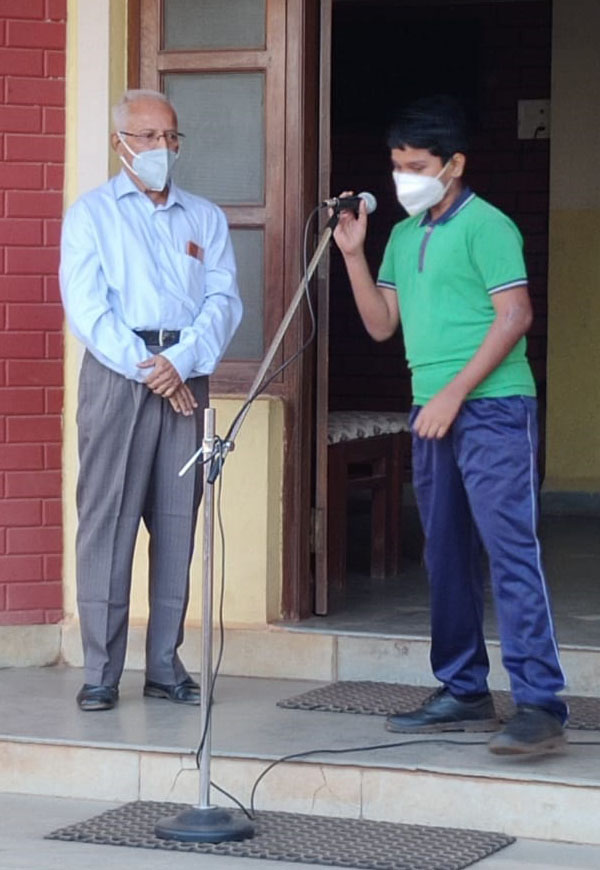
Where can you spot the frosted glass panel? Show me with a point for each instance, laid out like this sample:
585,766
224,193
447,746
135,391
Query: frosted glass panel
212,24
249,254
222,116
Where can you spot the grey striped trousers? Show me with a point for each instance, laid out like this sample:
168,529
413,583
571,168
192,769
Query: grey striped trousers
131,446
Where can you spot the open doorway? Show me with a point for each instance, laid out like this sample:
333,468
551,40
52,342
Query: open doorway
491,56
488,55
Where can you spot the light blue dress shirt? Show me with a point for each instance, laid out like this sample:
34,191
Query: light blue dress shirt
124,266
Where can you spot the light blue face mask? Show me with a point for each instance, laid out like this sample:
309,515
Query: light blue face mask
153,168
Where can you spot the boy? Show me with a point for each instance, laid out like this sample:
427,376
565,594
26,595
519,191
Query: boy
453,272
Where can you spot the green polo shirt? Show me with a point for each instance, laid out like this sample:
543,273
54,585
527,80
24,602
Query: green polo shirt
445,273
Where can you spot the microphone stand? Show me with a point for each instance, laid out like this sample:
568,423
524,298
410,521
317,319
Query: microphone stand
205,823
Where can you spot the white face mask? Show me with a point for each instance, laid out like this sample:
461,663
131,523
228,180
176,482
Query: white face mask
153,167
416,193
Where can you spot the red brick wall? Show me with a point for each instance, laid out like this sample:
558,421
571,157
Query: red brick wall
32,78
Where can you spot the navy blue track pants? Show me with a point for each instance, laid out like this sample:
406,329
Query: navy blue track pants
479,484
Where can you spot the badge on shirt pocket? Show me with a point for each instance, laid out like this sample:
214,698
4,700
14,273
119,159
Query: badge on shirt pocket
195,251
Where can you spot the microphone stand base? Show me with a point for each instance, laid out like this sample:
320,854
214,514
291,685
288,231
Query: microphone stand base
204,825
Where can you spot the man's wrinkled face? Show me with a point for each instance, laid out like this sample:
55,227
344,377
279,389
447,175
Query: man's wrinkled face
150,124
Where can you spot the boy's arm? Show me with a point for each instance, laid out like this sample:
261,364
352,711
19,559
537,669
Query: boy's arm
513,319
377,306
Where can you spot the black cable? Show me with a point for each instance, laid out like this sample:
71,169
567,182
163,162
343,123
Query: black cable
251,814
217,452
284,365
210,457
346,749
219,446
218,456
232,798
221,589
371,748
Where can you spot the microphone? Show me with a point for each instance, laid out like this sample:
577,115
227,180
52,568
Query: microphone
353,202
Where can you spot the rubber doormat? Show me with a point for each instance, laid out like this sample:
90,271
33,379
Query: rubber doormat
300,838
382,699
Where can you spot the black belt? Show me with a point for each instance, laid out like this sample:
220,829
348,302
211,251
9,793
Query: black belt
158,337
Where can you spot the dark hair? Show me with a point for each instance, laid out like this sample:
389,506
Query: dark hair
437,123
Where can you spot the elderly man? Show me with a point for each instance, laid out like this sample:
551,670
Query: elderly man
148,282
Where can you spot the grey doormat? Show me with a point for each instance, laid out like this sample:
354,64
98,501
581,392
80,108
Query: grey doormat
300,838
381,699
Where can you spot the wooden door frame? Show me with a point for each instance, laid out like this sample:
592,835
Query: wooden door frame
298,179
301,191
321,531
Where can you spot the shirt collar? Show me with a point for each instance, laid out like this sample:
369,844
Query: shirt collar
124,185
459,203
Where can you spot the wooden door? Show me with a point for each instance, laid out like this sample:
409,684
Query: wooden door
227,79
242,74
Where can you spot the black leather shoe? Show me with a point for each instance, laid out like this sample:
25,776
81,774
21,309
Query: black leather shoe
97,697
531,731
443,712
186,692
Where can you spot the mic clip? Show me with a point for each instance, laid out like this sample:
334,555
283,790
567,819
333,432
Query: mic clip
218,460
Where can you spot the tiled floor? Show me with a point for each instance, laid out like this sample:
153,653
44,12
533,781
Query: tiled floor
571,556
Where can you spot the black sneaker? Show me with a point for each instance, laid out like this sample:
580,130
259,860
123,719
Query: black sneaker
443,712
531,731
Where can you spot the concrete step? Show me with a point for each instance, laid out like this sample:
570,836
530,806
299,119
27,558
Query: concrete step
296,653
291,652
144,750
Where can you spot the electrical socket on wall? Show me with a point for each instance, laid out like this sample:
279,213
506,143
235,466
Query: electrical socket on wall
533,119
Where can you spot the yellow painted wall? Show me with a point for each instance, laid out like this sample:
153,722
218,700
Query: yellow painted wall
573,416
252,477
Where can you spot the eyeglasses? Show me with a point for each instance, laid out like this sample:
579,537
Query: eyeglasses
148,137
